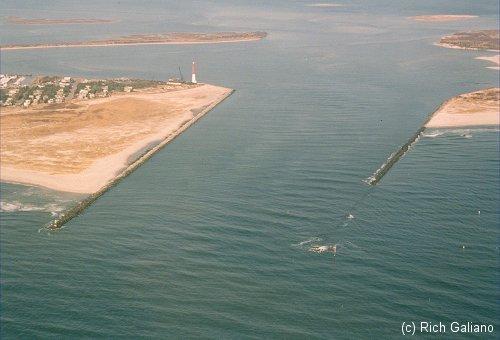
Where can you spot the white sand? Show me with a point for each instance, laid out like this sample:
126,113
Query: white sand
494,59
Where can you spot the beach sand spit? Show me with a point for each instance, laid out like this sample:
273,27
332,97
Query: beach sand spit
82,145
494,59
480,108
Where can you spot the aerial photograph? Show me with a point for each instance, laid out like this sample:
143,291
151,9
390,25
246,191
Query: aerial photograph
236,169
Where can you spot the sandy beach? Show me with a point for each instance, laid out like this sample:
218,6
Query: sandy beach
81,146
493,59
480,108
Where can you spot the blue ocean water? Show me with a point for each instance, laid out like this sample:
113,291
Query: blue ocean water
210,237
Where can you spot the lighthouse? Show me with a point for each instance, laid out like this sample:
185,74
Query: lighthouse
193,73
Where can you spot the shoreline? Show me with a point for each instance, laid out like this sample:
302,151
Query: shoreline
445,45
15,20
12,48
100,174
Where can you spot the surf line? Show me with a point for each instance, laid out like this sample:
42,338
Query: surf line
403,150
79,207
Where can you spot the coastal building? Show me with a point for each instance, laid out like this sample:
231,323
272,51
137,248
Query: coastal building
5,80
83,94
13,92
105,90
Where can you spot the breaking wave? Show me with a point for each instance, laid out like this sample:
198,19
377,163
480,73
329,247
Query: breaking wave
16,206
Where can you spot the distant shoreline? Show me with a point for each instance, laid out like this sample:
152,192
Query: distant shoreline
442,17
166,39
455,47
487,40
46,21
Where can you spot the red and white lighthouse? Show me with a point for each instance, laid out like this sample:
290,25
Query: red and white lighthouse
193,73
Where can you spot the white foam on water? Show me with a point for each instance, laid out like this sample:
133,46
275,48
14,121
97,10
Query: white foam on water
460,132
373,177
332,248
15,206
311,240
433,134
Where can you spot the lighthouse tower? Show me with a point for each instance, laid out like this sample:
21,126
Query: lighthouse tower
193,73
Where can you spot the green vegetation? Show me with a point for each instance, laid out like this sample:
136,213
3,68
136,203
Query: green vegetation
50,90
95,86
48,87
482,40
3,95
46,79
140,83
115,86
24,93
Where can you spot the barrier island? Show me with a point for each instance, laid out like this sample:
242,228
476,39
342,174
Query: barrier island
473,40
151,39
45,21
